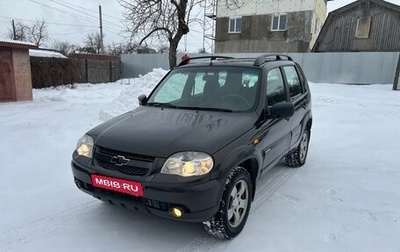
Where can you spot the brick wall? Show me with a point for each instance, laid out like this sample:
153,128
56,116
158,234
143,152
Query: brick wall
22,74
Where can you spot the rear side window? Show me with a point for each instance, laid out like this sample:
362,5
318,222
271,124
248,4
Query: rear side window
275,87
293,80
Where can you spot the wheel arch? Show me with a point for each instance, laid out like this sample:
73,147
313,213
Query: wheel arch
309,124
252,167
248,158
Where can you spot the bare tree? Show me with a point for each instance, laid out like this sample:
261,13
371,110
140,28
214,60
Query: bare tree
92,43
128,47
166,20
38,33
161,19
35,33
116,48
63,46
163,48
21,31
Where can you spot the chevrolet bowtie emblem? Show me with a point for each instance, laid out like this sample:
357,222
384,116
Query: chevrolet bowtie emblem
119,160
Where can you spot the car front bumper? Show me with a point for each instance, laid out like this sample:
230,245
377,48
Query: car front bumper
199,201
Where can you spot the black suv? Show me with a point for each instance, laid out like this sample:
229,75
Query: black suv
195,148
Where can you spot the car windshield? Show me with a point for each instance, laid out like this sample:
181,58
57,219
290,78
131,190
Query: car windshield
208,88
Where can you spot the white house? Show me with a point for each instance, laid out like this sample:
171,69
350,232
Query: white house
268,25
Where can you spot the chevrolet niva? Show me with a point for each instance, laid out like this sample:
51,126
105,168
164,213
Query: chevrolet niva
196,146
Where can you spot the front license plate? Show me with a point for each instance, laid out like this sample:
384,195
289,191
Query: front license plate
118,185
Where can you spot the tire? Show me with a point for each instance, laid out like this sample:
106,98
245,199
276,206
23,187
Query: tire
299,156
234,206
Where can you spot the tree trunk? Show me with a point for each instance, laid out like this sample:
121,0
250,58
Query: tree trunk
182,29
172,53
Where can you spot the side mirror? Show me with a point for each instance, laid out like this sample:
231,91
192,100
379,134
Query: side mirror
282,109
142,99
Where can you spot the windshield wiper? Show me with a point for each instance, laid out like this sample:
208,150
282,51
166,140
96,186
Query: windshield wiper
170,105
208,109
162,104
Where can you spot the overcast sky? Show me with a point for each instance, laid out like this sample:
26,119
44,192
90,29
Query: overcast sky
71,20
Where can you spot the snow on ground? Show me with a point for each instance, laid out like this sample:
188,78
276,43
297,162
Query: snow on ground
346,197
127,100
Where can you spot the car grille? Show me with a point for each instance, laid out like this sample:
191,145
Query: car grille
126,163
155,204
126,169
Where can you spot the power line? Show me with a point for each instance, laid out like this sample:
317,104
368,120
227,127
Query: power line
88,18
64,11
31,20
70,33
114,33
88,9
87,14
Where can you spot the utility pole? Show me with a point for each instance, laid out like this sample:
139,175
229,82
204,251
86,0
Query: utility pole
14,34
101,31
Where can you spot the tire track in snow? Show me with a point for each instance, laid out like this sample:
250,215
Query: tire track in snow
49,224
205,243
270,183
267,186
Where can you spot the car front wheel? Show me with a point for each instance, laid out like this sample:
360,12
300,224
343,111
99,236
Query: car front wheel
234,206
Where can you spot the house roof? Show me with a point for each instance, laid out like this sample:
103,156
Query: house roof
355,3
46,53
332,15
16,44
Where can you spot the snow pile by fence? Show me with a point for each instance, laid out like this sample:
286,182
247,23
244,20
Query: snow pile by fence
128,98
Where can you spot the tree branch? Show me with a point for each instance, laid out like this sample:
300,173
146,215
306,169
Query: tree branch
175,3
155,30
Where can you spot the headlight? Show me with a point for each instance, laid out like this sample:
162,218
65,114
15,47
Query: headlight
188,164
85,146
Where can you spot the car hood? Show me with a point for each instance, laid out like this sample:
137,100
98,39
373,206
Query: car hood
160,132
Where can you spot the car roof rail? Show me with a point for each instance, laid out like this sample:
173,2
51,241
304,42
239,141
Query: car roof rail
211,57
264,58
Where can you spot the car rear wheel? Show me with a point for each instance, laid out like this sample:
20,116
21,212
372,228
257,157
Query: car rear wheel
234,206
298,157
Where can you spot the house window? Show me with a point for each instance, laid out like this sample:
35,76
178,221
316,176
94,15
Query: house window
235,25
279,23
363,27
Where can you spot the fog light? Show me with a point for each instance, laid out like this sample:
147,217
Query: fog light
176,212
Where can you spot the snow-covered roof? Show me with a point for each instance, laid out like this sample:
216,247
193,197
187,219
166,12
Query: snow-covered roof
46,54
18,42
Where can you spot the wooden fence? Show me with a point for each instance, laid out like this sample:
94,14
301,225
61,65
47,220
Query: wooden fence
78,68
95,68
